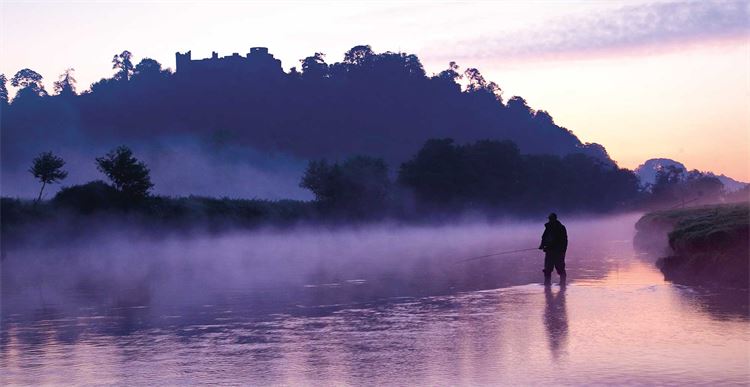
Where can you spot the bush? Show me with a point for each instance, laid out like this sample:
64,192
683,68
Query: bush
90,197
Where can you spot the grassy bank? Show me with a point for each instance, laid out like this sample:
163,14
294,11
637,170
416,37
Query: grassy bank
701,244
60,222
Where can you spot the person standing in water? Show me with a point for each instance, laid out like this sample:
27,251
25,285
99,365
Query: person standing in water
554,244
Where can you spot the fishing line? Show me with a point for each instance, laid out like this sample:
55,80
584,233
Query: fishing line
494,254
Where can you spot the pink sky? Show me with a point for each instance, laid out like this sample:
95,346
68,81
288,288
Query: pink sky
645,79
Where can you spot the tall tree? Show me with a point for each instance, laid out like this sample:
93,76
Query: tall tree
123,63
47,168
476,79
128,175
66,85
30,83
477,83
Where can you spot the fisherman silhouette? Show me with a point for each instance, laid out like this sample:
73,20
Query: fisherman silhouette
554,244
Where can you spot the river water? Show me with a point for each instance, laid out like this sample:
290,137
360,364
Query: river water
381,306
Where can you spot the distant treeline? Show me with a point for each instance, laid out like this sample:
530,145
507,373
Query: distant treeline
442,178
486,176
381,104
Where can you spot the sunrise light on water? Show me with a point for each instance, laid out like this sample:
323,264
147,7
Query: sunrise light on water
374,193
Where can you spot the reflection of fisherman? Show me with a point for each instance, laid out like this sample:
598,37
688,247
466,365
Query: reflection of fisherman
554,243
556,320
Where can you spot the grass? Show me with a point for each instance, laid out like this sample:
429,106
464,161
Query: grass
708,242
701,228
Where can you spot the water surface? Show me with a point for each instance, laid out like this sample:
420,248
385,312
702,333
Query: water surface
386,306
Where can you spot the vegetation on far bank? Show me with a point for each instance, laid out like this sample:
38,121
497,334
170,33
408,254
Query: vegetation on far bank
694,227
442,180
707,243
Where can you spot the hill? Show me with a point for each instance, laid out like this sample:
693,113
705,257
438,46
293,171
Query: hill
377,104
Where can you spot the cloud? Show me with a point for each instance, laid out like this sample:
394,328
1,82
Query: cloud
636,27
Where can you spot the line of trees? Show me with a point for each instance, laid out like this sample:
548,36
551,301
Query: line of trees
130,178
485,175
675,186
442,177
30,83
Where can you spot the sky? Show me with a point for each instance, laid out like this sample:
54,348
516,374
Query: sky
645,79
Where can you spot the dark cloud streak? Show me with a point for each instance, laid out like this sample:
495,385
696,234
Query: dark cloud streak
636,27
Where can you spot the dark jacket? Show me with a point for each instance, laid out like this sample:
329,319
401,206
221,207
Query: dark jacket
555,237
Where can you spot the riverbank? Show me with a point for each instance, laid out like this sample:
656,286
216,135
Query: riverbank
707,244
79,213
59,222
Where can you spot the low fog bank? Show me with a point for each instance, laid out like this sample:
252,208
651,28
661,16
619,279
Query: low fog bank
180,165
304,266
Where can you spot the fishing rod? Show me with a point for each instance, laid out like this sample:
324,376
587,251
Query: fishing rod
494,254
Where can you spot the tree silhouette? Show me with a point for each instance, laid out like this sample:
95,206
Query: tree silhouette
451,73
397,64
324,180
315,66
148,68
128,175
30,83
25,78
359,55
66,85
667,183
3,90
47,168
123,63
476,80
674,186
494,174
477,83
700,186
358,187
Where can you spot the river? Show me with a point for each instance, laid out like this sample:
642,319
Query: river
388,305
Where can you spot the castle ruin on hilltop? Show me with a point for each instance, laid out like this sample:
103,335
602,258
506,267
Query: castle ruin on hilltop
257,61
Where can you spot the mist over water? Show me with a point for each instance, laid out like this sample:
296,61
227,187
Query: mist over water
391,259
388,303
